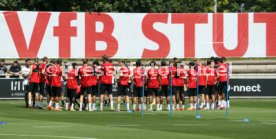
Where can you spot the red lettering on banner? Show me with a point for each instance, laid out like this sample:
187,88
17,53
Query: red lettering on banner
91,36
18,36
189,21
270,20
64,31
218,36
156,36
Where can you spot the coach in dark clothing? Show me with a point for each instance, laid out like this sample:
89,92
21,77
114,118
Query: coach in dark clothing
15,70
3,68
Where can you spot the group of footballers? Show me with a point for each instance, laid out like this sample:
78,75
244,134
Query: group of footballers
205,82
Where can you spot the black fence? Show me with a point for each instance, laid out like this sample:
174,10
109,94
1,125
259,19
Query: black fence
14,88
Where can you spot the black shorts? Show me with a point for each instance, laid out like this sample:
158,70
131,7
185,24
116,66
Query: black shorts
138,91
33,87
87,90
49,90
71,93
153,90
106,88
210,90
164,91
222,87
217,86
123,90
56,91
179,89
27,88
95,90
42,88
192,92
201,89
77,96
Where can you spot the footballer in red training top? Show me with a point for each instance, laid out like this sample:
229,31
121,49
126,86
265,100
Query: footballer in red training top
153,85
179,88
202,81
42,80
138,82
33,84
123,85
211,81
192,85
106,82
85,72
56,82
72,84
164,73
222,81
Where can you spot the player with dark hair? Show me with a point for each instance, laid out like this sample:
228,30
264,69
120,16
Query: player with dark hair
192,85
48,76
85,73
138,83
164,73
56,82
123,87
95,83
72,84
33,83
42,81
181,85
202,81
153,83
106,81
222,82
173,77
211,81
25,74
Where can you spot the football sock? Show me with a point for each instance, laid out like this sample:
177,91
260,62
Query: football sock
208,105
72,106
81,106
89,106
134,106
50,104
111,104
150,106
101,105
158,105
145,106
118,106
191,105
93,106
127,105
177,106
56,105
66,106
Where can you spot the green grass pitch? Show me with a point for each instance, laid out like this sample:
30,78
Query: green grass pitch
40,124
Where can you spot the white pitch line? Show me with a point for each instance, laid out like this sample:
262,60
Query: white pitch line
268,123
49,126
43,136
190,124
123,125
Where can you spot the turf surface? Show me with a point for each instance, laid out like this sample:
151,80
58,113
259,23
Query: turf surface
38,124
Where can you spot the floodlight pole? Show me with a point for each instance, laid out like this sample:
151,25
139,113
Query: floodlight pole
216,6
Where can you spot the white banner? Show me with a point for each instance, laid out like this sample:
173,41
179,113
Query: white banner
133,35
